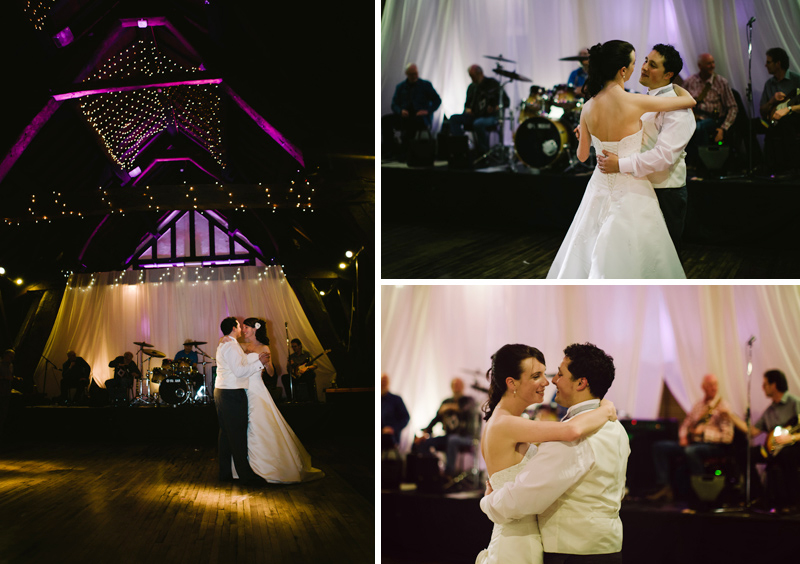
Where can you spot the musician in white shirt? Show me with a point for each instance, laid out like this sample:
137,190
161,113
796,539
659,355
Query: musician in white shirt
576,488
666,135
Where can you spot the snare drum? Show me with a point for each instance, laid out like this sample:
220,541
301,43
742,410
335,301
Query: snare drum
541,142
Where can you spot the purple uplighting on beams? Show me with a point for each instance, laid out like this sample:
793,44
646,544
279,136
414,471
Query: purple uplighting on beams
89,240
131,87
265,125
172,159
27,136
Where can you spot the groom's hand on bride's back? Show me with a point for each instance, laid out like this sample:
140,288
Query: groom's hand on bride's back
608,163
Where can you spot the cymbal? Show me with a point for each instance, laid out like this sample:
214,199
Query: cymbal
500,58
143,344
576,58
512,75
154,353
196,343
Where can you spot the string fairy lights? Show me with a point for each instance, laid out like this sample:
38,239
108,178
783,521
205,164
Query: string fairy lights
127,121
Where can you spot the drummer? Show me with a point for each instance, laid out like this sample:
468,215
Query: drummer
578,77
187,353
481,109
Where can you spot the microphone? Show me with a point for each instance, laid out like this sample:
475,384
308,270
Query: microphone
752,340
750,23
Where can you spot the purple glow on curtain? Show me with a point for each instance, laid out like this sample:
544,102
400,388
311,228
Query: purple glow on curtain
128,88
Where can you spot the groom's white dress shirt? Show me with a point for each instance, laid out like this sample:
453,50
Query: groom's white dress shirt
664,141
575,488
234,367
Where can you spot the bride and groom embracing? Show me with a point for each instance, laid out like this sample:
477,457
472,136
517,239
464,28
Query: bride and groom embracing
557,502
256,445
619,230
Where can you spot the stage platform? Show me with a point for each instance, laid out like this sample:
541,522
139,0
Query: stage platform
438,222
445,529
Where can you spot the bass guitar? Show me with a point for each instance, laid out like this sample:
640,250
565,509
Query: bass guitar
296,369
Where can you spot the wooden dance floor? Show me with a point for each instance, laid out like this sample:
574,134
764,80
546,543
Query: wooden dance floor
438,223
154,497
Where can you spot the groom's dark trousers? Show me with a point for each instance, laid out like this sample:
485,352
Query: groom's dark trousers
232,416
673,205
555,558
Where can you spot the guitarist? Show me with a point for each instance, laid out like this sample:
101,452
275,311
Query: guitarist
707,431
458,415
301,370
783,489
780,106
716,107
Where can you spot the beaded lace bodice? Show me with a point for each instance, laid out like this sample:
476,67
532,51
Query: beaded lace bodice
506,475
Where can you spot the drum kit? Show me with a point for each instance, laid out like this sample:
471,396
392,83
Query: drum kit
174,382
544,138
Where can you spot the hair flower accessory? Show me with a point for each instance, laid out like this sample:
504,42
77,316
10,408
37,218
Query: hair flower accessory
258,325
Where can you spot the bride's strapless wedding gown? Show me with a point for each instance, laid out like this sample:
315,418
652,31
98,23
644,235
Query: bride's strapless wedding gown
519,541
618,230
273,450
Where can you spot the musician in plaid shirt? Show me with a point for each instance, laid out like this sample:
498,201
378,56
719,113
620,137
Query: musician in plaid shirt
705,433
716,107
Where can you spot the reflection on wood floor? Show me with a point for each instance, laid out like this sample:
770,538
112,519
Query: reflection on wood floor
154,503
425,251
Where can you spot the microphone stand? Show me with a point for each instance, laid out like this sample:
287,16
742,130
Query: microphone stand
44,382
747,501
749,95
206,398
288,362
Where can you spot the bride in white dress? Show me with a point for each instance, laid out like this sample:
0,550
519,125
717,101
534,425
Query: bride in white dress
517,380
618,230
274,451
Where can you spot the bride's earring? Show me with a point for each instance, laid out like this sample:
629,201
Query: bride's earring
515,392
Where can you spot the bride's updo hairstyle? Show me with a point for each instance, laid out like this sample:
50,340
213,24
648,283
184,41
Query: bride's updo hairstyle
506,362
604,62
261,329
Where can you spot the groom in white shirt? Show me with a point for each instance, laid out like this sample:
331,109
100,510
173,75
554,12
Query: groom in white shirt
666,135
576,489
234,368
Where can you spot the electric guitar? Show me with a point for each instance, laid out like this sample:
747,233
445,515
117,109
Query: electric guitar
296,369
773,448
793,101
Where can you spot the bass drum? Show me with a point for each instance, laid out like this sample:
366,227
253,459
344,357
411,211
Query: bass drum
175,390
540,142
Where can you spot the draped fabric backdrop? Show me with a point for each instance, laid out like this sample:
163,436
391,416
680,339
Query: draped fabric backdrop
656,334
103,314
444,37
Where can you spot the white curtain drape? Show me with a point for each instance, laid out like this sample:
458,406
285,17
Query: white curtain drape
444,37
103,314
656,334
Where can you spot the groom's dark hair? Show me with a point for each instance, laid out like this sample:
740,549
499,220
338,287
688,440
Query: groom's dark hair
672,59
228,324
588,361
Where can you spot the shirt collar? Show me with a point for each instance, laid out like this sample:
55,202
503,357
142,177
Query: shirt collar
581,407
660,90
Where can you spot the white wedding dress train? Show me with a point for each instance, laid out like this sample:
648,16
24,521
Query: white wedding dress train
519,541
274,451
618,230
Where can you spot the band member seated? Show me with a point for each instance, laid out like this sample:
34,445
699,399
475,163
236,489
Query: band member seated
480,109
704,433
578,77
301,371
716,107
125,370
394,415
780,109
780,453
413,104
188,354
459,418
75,373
